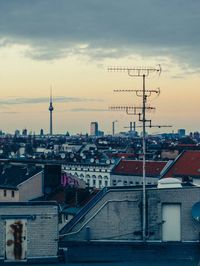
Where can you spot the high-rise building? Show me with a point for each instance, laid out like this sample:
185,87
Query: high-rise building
181,132
17,133
94,129
41,132
24,132
51,110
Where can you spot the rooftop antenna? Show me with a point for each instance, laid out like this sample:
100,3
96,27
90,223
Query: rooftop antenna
140,72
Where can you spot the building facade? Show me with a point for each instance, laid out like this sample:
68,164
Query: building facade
117,216
28,231
94,175
130,172
94,129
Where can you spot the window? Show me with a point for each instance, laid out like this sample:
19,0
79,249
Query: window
106,183
66,217
12,193
5,193
100,183
114,182
94,182
131,183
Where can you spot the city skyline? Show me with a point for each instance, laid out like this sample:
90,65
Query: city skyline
70,45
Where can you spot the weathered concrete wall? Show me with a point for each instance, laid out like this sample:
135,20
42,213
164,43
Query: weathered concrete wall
42,232
118,215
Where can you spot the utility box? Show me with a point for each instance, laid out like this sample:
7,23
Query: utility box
28,231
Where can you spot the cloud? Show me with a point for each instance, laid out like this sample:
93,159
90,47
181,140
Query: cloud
8,113
61,99
88,110
103,29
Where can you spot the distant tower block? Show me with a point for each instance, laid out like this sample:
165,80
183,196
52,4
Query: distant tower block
94,129
51,110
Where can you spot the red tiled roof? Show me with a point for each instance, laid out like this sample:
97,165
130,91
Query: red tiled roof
186,145
134,167
187,164
121,155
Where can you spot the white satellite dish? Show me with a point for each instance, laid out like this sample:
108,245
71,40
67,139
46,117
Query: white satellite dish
62,156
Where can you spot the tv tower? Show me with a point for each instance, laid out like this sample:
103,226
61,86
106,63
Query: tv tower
51,110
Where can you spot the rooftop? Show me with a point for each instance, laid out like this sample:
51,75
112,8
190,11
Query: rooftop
186,164
134,167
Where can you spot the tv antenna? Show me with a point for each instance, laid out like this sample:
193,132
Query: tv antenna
140,72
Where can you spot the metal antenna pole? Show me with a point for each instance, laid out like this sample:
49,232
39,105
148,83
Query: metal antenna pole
140,72
144,160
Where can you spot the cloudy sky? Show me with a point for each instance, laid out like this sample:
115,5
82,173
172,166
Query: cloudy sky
69,45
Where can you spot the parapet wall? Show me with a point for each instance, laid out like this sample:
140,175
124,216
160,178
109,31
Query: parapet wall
118,216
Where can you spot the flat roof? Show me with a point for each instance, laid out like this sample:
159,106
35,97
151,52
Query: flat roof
29,203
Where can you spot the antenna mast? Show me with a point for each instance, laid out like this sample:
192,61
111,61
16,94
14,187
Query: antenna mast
141,72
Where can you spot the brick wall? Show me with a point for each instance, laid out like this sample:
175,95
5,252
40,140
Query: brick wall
118,215
42,233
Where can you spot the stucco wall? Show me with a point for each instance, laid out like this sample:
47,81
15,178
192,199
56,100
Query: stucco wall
31,188
11,195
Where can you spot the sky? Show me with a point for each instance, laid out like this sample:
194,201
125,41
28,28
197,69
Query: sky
69,45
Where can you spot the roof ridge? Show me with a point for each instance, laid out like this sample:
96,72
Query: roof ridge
172,164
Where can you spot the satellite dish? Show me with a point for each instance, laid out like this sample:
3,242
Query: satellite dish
108,162
196,211
62,156
92,160
96,161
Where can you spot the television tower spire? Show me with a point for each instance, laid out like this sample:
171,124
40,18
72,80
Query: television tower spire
51,110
